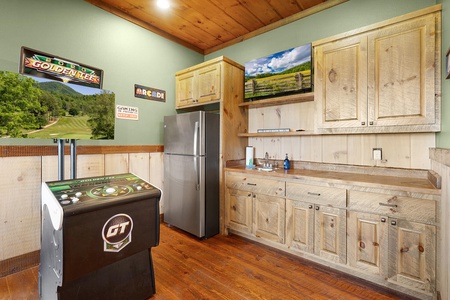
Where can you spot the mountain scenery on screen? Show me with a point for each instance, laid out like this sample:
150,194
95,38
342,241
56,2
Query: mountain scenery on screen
32,107
279,74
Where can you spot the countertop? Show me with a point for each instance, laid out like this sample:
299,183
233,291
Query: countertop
415,181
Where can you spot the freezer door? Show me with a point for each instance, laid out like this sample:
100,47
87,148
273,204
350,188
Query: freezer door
184,193
185,133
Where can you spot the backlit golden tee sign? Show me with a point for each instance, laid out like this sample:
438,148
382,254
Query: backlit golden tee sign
49,66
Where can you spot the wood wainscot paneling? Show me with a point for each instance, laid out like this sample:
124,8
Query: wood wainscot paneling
24,168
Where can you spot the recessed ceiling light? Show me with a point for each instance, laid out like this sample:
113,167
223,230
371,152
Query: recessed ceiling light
163,4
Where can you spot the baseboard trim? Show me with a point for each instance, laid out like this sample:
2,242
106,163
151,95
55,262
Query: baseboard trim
19,263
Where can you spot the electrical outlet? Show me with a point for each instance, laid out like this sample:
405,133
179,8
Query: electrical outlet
376,154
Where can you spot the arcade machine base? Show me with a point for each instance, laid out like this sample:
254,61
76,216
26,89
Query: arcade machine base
97,235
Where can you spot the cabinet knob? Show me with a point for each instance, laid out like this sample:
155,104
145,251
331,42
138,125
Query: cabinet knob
254,196
363,123
370,123
310,206
383,220
394,223
317,207
249,195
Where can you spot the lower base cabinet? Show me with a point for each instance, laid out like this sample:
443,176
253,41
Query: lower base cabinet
412,255
382,237
239,214
316,229
269,217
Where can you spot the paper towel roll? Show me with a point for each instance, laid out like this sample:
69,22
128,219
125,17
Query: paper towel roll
249,156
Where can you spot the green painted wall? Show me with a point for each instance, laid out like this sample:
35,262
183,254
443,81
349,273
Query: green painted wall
342,18
128,54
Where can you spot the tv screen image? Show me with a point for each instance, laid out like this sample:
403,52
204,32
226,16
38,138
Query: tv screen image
280,74
33,107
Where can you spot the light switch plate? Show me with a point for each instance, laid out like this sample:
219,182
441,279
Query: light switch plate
377,154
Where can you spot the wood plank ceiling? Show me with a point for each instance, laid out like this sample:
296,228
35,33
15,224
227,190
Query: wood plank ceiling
210,25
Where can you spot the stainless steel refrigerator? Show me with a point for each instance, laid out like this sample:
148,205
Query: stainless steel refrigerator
191,172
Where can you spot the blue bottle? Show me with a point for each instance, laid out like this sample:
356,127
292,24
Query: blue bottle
287,163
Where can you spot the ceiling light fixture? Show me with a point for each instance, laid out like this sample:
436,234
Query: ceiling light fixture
164,4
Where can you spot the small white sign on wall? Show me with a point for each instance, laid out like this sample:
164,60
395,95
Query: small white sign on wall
127,112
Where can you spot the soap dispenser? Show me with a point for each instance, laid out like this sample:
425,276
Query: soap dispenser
287,163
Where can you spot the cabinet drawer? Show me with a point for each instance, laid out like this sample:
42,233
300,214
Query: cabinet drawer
257,185
317,194
420,210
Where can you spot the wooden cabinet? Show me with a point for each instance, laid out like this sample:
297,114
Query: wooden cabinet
412,255
239,210
388,236
198,86
255,205
316,220
383,79
219,82
367,243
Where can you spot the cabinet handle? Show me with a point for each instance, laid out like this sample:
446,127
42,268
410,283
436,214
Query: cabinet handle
310,206
383,220
313,194
252,184
387,204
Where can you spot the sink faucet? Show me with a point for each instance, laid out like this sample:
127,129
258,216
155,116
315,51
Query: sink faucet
266,157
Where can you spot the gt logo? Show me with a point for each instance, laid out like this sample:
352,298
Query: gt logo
116,232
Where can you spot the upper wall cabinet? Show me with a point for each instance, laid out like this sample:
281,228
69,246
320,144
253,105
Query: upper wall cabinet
381,78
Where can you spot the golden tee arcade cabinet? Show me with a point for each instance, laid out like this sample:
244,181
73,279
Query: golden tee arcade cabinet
96,238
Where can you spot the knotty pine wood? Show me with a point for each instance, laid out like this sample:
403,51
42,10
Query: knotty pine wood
228,267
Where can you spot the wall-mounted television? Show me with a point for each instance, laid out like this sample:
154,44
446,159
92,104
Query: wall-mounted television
280,74
34,107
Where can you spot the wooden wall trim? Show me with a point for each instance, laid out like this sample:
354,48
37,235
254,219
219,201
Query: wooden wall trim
10,151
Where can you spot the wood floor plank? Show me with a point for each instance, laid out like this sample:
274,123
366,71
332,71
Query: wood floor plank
4,292
228,267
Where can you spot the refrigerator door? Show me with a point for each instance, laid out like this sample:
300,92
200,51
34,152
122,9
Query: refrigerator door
185,133
184,193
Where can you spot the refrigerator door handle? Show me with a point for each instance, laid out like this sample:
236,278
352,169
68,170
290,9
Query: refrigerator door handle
196,131
197,173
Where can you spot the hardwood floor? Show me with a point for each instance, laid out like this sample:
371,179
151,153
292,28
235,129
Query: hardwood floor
227,267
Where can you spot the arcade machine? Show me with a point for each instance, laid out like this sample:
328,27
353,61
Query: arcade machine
97,235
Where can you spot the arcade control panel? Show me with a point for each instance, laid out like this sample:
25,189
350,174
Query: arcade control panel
79,195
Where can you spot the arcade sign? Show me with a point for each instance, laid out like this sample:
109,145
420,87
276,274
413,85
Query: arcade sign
149,93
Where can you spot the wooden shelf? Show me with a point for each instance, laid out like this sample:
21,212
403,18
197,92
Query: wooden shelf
297,98
280,134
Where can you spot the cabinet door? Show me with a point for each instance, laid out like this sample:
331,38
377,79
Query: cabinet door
367,243
208,83
330,233
412,258
184,89
269,217
300,225
402,66
239,210
340,80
